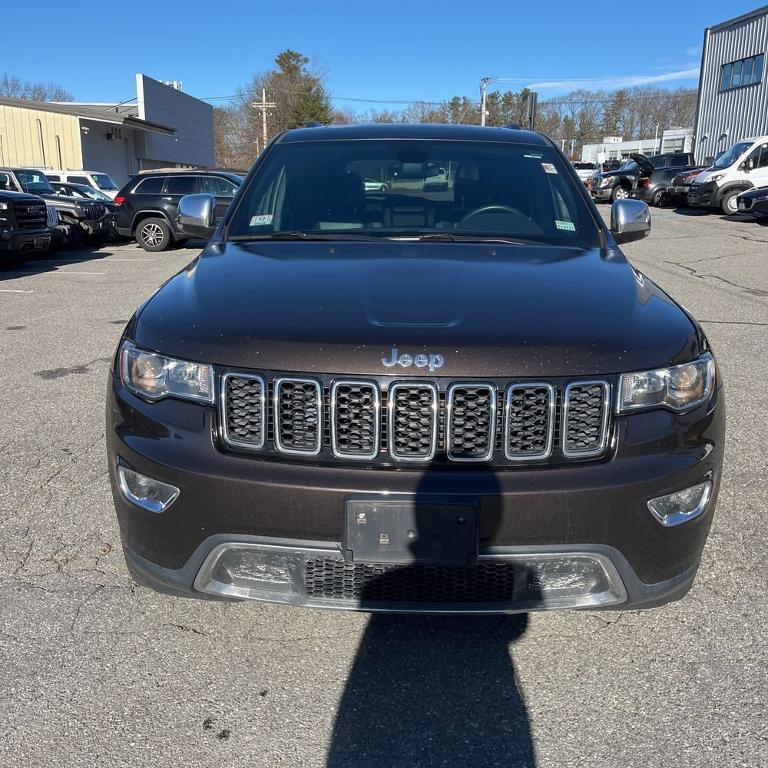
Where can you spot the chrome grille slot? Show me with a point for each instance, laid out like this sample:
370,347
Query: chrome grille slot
413,421
355,419
244,405
586,407
470,422
298,416
529,411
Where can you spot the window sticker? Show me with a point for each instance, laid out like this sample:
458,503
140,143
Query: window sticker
533,156
568,226
549,168
262,219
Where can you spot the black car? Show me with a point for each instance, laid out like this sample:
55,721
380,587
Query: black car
631,177
464,402
754,202
24,230
148,204
85,220
654,181
677,191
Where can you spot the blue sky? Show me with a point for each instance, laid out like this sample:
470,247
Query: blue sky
377,50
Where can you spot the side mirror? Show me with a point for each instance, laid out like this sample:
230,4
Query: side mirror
196,214
630,220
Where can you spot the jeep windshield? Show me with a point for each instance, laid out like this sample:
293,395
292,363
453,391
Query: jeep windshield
34,182
436,190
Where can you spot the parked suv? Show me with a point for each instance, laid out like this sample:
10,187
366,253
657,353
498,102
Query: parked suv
470,402
93,179
619,184
744,166
84,219
148,204
23,227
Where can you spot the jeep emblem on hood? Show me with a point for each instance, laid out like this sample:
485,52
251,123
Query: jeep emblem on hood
420,360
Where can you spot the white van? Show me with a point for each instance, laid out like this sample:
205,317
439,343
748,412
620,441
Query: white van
95,179
744,166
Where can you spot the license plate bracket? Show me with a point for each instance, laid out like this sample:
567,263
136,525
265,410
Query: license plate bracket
411,531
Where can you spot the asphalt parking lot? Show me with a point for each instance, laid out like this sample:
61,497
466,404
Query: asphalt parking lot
99,672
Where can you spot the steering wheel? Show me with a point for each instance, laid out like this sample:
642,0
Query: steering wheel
492,208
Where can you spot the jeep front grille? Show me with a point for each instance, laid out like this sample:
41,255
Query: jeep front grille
437,421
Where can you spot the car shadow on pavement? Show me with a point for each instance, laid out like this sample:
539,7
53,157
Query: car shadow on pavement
50,262
437,690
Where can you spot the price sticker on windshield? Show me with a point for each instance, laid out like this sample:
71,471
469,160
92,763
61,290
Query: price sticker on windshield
549,168
262,219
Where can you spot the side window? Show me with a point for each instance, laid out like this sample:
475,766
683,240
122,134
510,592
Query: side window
79,180
6,182
762,160
217,185
182,185
54,178
150,186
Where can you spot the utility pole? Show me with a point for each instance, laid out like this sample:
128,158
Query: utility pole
484,82
264,105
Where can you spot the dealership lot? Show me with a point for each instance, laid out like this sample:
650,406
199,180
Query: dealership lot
98,672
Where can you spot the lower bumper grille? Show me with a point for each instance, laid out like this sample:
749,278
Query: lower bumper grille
335,579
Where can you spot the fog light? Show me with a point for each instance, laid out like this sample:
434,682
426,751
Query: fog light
145,492
247,571
571,580
681,506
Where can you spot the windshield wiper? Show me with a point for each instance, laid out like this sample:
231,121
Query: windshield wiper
297,235
450,237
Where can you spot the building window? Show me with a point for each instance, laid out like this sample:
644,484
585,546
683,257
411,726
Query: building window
743,72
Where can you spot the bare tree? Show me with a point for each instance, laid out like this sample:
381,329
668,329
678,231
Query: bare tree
14,88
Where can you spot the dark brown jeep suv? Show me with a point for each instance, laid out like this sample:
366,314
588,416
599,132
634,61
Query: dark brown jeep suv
392,397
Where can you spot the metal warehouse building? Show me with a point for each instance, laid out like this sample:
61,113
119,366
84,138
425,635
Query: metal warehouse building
733,93
161,127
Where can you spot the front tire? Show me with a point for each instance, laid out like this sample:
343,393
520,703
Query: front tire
154,235
729,205
619,193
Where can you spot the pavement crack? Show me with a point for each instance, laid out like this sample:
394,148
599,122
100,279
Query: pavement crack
185,628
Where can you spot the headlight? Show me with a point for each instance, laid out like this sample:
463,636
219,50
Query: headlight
716,177
154,376
679,387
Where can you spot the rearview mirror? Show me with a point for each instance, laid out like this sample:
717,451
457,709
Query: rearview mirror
630,220
196,214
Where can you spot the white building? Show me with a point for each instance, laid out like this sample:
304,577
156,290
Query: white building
615,148
161,127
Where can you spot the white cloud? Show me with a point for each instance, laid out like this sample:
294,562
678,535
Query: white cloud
694,50
610,83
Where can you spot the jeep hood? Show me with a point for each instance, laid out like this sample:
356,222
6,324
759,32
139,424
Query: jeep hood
499,310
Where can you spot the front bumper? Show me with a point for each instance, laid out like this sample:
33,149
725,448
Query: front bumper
596,509
97,226
703,195
20,241
601,194
754,207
